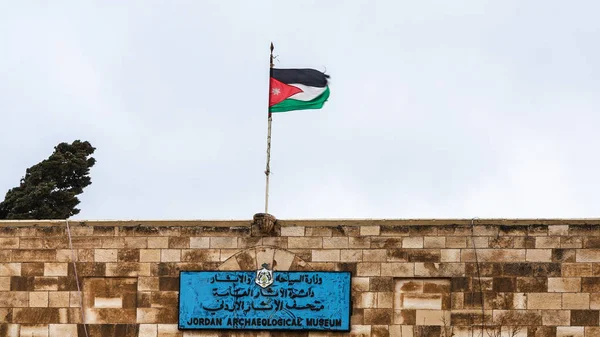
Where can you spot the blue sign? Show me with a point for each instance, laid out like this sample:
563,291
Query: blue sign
264,300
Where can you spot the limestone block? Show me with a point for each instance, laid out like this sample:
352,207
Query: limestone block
199,242
326,255
539,255
9,243
412,242
14,299
34,330
373,255
63,330
227,253
544,301
170,255
264,255
588,255
10,269
359,242
230,264
148,330
397,269
38,299
595,301
434,242
556,317
564,284
158,242
368,269
55,269
576,269
360,283
547,242
367,299
335,242
558,230
569,331
4,283
149,255
305,242
351,255
450,255
292,231
223,242
369,230
282,260
58,299
378,316
432,317
576,301
169,330
105,255
148,283
200,255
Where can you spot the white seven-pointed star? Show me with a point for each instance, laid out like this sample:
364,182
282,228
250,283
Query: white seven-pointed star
275,91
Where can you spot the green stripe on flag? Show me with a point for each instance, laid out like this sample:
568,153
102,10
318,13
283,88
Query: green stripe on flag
293,104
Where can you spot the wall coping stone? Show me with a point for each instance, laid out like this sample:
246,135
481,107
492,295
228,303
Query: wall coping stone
303,222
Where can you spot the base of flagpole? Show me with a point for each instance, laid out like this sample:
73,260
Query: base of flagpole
265,224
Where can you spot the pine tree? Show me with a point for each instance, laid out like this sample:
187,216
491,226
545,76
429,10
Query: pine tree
49,189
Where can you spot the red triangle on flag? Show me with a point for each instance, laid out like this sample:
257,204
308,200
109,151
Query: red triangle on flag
279,91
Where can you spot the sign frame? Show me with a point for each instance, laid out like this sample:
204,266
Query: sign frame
266,328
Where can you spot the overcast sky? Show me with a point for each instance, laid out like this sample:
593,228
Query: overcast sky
438,108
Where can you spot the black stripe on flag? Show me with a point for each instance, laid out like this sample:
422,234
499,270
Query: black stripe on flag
308,77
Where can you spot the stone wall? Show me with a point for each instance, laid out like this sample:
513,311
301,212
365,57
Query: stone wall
410,277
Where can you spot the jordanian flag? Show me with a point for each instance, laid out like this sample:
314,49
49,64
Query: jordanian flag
297,89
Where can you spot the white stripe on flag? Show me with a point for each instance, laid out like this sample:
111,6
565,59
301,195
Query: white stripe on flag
308,93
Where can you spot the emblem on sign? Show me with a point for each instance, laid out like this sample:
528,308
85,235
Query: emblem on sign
264,276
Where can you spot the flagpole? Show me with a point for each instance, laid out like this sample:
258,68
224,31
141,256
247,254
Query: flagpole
268,170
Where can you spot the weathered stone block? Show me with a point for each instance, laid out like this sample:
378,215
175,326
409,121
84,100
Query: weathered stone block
63,330
576,269
335,242
378,316
128,255
305,242
158,242
157,315
590,284
556,317
368,269
373,255
585,317
351,255
38,299
544,301
9,243
369,230
539,255
326,255
292,230
36,315
397,269
588,255
564,284
105,255
576,301
14,299
55,269
223,242
170,255
569,331
58,299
